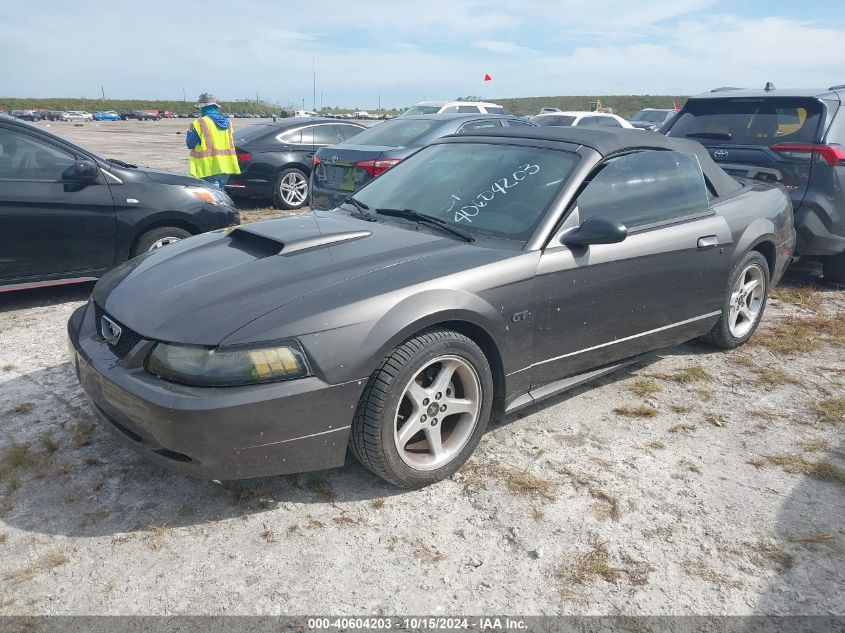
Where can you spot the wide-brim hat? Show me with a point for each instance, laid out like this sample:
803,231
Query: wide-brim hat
206,99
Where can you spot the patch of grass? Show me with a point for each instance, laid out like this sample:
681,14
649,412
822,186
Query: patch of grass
706,394
797,335
765,415
48,561
157,534
716,419
693,373
17,456
681,428
641,411
320,487
268,535
48,444
681,408
345,520
592,565
611,510
699,567
782,559
775,377
427,555
23,408
807,297
758,462
293,529
516,480
831,410
377,504
815,444
656,445
795,464
818,537
3,538
8,368
314,524
537,514
82,434
690,466
644,387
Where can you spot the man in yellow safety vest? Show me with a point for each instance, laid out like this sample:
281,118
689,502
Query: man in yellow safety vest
212,147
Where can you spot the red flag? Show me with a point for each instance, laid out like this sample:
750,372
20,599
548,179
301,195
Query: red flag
487,78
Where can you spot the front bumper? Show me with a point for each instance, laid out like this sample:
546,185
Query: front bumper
212,433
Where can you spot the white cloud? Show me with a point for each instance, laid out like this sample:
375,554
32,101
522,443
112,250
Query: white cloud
499,46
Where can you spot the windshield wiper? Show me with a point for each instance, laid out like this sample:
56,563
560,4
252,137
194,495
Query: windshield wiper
423,218
715,136
120,163
363,209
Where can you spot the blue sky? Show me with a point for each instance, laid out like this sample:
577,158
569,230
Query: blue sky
407,51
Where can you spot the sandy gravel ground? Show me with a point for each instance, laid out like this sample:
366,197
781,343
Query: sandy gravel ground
698,481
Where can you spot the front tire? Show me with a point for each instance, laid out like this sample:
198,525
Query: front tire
424,410
291,190
745,300
157,238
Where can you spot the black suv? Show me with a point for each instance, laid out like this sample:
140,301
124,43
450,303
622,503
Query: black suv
796,137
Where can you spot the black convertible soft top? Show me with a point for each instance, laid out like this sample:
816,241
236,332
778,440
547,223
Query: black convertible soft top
612,141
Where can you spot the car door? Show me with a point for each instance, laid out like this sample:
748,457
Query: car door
316,136
664,283
50,222
588,121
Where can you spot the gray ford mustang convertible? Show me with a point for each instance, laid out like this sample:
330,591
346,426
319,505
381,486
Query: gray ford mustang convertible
478,276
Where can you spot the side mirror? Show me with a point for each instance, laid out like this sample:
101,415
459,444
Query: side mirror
595,230
85,170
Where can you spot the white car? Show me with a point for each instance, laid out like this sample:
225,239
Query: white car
77,115
574,118
462,107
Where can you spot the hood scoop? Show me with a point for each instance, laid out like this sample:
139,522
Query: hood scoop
261,244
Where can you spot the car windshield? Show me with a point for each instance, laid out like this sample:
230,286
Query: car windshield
421,109
750,121
553,119
494,109
395,133
651,116
499,191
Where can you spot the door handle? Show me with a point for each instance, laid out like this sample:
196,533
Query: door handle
707,241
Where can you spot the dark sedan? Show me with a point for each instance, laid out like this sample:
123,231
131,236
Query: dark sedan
275,158
482,274
341,170
68,215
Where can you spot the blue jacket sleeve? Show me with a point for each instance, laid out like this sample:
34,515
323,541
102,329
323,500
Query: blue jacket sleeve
192,139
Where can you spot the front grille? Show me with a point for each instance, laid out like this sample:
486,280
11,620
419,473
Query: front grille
128,338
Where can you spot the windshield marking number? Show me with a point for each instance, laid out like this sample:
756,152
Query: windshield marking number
501,186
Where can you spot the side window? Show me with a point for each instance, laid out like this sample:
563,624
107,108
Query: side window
587,121
469,109
644,188
323,135
450,109
348,131
294,137
472,126
515,122
607,121
23,157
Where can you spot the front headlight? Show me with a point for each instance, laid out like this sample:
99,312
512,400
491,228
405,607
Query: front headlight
210,367
211,196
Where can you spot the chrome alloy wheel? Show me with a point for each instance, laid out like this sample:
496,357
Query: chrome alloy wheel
164,241
293,188
747,300
437,413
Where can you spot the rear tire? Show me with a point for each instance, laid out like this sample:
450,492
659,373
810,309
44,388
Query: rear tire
292,189
403,430
158,237
745,301
834,269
